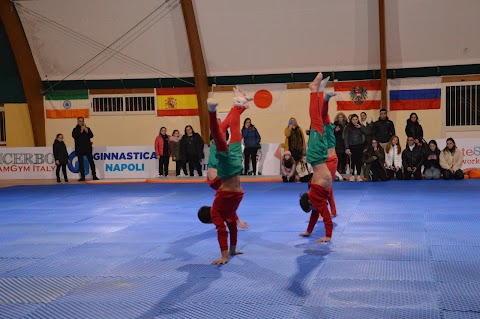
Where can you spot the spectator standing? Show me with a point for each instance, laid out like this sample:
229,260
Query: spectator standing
83,147
162,149
61,157
251,140
191,150
414,129
367,123
295,140
340,124
383,129
451,160
354,136
175,153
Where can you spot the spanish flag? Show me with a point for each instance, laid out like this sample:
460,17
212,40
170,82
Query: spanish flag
67,104
177,102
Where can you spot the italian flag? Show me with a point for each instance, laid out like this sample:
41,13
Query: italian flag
358,95
177,102
67,104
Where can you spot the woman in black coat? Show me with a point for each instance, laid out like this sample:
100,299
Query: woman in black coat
414,129
340,124
61,157
191,150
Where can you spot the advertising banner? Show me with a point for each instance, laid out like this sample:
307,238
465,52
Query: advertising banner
112,162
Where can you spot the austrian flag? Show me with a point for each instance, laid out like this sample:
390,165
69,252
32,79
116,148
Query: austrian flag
358,95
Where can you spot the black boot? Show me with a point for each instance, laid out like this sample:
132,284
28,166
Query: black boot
95,178
58,180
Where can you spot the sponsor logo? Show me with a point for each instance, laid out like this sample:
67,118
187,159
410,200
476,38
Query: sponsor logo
74,165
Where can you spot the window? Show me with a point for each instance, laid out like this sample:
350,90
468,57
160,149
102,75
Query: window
3,134
462,105
123,104
140,103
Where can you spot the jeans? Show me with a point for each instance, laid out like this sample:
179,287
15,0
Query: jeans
432,173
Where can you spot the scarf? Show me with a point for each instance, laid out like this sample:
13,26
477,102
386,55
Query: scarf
175,139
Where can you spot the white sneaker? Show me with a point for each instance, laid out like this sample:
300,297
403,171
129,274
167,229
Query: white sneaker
352,178
359,178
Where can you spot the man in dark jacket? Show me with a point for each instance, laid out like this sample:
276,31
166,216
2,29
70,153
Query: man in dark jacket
412,160
383,129
83,147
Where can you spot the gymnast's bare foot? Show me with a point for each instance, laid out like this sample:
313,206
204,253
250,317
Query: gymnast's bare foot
315,85
305,234
323,240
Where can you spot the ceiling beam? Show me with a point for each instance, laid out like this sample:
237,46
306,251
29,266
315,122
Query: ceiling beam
198,63
31,81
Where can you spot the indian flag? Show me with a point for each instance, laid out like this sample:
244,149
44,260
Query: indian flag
358,95
67,104
177,102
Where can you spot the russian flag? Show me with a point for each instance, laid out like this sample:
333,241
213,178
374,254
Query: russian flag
419,99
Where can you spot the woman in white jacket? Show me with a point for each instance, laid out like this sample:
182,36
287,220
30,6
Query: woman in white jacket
393,159
451,160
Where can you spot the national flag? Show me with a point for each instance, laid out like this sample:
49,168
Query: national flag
177,102
67,104
358,95
415,99
415,93
267,98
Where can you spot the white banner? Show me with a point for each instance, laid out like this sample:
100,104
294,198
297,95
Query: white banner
111,162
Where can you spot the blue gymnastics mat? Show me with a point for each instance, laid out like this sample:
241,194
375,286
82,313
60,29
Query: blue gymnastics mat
399,250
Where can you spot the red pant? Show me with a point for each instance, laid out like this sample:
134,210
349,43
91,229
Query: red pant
332,163
223,212
318,198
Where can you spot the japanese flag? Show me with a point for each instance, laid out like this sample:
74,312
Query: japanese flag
267,98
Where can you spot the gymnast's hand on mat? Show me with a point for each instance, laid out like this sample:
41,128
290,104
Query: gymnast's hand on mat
242,225
323,240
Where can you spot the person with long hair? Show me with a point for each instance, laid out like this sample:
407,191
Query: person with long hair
304,170
393,159
61,157
294,139
251,140
414,129
175,153
162,149
340,123
374,157
354,136
191,150
432,169
451,160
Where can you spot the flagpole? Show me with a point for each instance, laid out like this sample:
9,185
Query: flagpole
383,52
